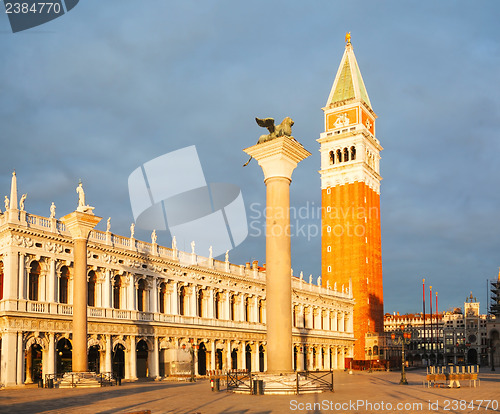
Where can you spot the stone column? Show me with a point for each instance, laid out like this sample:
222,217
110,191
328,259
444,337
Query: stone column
278,158
174,299
8,363
51,364
29,365
108,355
79,225
20,359
133,359
228,355
300,358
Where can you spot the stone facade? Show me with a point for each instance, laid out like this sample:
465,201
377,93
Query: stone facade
149,306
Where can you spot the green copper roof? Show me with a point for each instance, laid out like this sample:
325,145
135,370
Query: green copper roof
345,87
349,82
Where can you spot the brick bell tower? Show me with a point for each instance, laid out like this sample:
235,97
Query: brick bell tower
350,188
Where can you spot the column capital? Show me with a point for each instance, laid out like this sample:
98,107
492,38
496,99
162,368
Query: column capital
80,224
278,157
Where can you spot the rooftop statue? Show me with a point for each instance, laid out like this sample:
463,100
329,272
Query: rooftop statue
275,131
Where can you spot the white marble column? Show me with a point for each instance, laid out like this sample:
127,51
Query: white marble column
326,363
21,282
107,290
319,359
8,363
154,365
20,359
213,349
228,355
210,303
51,282
300,358
153,296
133,358
108,367
227,305
255,357
132,293
174,299
51,354
193,302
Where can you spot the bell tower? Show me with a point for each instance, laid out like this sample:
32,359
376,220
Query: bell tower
350,186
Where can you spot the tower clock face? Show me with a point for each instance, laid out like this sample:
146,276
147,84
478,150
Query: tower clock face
472,339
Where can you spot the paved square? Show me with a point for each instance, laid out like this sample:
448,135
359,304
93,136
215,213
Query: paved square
353,394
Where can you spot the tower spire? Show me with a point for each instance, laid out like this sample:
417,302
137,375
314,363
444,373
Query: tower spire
13,192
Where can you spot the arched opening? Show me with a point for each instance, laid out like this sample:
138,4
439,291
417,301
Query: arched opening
346,154
199,303
248,358
353,153
234,359
202,359
232,307
182,301
472,356
64,356
339,156
314,358
332,157
163,295
33,279
93,358
261,311
118,358
375,350
141,295
247,309
91,288
217,304
142,359
218,359
1,280
117,285
33,363
261,358
64,285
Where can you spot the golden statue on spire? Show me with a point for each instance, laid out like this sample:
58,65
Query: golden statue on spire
348,38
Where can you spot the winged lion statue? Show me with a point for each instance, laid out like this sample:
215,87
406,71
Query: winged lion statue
275,131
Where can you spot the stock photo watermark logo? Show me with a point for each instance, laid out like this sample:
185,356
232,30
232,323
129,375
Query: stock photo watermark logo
171,192
25,14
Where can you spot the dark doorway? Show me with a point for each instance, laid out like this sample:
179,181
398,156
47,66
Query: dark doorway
234,359
218,359
94,357
472,357
248,358
202,359
142,359
64,356
261,358
295,358
119,361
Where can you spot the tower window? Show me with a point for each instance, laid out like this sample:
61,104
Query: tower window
328,190
339,155
329,249
328,229
332,157
346,154
329,268
353,153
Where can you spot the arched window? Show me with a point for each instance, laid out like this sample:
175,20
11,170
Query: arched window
141,295
33,278
163,290
64,285
232,306
217,304
182,294
346,154
261,311
339,156
116,292
247,310
1,280
353,153
332,157
91,288
199,307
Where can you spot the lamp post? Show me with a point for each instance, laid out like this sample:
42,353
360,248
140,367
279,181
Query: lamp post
402,338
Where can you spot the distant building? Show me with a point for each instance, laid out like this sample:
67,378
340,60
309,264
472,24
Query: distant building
453,337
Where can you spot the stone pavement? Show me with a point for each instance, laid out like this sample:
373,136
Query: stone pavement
353,394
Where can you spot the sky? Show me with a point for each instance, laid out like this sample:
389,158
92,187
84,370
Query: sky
112,84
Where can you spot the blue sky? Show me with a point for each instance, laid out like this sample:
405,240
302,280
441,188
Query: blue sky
96,93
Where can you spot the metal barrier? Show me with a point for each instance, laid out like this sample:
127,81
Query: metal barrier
314,381
239,379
